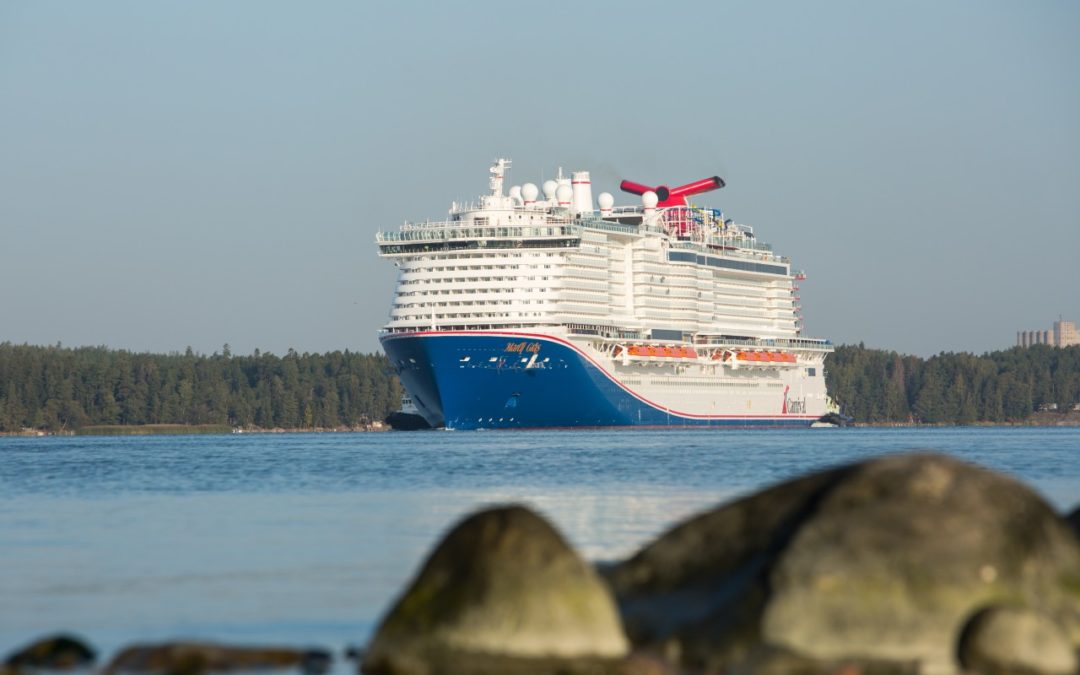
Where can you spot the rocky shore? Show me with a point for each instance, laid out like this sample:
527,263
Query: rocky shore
914,563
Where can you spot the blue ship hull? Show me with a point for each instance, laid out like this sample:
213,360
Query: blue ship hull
506,380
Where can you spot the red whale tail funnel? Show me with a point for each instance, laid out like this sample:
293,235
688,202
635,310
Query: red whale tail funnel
675,196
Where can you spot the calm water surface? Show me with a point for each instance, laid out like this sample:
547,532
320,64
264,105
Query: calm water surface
304,539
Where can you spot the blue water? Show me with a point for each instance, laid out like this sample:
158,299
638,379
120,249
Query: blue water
304,539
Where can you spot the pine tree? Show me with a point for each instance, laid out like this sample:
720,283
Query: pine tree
896,403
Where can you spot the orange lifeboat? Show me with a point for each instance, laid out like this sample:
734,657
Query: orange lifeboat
766,357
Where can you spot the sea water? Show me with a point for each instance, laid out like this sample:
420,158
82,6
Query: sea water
306,539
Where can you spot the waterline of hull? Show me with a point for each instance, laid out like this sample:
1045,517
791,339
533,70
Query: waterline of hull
477,380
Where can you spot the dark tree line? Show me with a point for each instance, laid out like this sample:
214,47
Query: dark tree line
873,385
58,388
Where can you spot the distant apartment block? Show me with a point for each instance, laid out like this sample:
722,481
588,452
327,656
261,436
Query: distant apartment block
1063,334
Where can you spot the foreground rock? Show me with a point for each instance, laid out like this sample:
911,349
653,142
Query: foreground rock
883,562
502,593
57,652
1006,640
198,658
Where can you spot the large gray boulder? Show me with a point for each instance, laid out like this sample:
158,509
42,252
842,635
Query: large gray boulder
881,561
1013,641
502,593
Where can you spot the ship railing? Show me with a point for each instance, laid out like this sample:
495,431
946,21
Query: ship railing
598,224
610,332
734,250
560,218
613,333
459,325
459,230
737,242
727,244
790,343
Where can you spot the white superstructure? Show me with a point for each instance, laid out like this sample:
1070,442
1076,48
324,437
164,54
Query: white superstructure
683,308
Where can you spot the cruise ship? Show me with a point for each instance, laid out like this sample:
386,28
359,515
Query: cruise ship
539,308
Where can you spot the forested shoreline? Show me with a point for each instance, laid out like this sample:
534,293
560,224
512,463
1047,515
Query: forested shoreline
878,386
57,389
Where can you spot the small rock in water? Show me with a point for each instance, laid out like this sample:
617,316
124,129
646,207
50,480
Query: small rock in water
354,653
316,662
1015,641
197,658
502,593
57,652
1074,520
883,560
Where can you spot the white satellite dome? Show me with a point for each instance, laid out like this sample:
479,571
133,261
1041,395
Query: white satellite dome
529,191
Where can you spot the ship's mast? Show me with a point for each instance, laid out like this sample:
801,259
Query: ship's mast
498,172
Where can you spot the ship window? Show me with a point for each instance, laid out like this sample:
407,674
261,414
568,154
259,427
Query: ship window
812,372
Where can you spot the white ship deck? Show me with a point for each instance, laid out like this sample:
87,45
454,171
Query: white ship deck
676,302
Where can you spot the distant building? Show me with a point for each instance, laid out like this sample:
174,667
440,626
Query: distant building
1064,334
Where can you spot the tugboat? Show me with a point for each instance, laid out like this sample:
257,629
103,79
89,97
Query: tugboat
832,420
408,418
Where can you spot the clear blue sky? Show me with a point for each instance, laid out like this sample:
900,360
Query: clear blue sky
202,173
